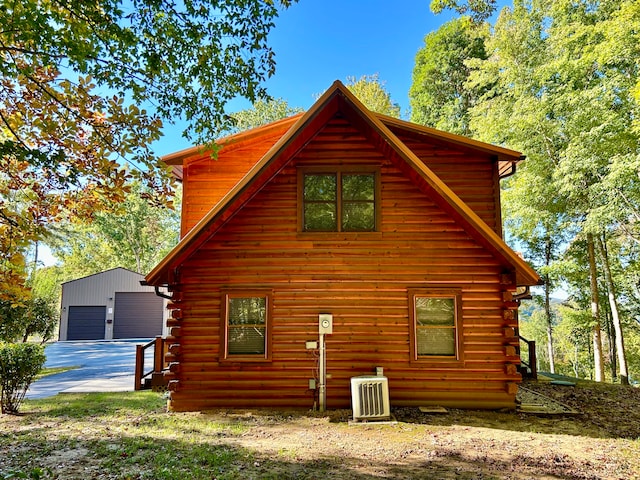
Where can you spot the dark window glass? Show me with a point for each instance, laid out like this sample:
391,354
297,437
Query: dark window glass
351,199
358,203
247,325
320,203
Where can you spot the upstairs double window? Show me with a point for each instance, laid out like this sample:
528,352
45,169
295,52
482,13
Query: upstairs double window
342,200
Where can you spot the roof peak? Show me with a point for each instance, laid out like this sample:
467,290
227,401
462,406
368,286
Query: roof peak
338,98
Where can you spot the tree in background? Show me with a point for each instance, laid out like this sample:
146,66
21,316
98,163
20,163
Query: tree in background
561,84
573,344
137,236
36,318
479,10
371,91
513,110
439,94
261,113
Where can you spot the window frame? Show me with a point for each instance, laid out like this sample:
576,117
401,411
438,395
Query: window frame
448,293
225,356
339,171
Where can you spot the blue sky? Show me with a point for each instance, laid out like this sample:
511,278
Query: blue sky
319,41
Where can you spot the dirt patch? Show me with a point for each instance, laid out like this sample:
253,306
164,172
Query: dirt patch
459,444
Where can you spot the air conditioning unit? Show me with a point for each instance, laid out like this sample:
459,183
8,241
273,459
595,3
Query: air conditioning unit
370,398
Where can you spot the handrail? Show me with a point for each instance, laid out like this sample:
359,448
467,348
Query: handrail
532,362
158,360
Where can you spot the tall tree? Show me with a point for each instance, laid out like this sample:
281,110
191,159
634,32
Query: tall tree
136,236
69,143
595,312
554,92
534,220
615,312
512,110
439,94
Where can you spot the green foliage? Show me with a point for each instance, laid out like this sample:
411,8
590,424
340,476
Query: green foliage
45,283
371,91
558,85
187,58
35,473
534,327
70,144
632,343
136,236
574,343
439,94
263,112
480,10
34,317
19,364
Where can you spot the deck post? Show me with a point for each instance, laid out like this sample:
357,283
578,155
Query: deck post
158,355
533,360
139,368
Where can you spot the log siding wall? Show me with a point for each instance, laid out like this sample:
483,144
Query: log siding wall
363,279
206,180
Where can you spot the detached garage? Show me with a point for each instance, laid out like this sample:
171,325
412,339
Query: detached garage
111,305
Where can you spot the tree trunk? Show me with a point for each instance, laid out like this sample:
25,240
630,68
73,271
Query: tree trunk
547,308
35,260
615,315
613,364
598,360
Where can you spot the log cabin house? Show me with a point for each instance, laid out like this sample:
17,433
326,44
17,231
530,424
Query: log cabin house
323,246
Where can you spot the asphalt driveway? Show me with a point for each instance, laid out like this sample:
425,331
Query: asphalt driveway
103,366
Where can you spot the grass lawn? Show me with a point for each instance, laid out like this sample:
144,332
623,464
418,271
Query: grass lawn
131,436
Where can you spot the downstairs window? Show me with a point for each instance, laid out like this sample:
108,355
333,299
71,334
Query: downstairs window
246,322
435,317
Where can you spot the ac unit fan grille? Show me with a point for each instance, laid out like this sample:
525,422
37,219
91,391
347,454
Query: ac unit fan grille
370,397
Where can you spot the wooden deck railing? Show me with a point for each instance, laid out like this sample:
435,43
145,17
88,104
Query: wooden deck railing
531,362
159,365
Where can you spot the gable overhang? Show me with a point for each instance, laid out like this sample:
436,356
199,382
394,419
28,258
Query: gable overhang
506,159
338,99
177,160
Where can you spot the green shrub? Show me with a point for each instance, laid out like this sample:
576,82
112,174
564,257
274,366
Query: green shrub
19,364
35,474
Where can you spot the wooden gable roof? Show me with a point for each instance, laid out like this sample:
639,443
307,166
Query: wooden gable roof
178,160
338,99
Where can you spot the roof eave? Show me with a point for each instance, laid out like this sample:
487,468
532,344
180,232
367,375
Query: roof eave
178,158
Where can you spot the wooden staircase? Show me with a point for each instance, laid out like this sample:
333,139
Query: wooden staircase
151,376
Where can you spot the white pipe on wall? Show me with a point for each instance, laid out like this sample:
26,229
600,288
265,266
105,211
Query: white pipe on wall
322,388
